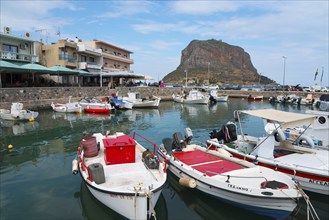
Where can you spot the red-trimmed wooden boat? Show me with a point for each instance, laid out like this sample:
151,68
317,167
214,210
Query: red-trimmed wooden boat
121,173
255,98
235,181
309,167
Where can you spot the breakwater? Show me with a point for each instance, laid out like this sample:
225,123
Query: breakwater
42,97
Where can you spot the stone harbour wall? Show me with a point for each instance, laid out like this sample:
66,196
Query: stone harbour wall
42,97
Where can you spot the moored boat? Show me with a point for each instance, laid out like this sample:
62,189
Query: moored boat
95,106
191,97
235,181
121,173
134,98
67,107
255,98
214,97
307,166
17,113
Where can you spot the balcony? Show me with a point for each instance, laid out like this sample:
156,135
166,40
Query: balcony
68,58
85,65
18,57
118,58
89,50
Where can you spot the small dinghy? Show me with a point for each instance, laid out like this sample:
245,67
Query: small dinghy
121,173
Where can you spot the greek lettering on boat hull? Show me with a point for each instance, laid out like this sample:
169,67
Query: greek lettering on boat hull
319,182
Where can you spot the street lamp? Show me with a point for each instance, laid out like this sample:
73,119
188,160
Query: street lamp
208,73
185,78
284,69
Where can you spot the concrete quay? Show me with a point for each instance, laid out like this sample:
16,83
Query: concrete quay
41,97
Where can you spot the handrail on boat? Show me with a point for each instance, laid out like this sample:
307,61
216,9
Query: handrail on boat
155,147
83,165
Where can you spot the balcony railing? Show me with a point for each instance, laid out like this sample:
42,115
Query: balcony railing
67,58
18,56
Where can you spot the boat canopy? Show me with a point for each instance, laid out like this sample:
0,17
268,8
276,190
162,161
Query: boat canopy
286,119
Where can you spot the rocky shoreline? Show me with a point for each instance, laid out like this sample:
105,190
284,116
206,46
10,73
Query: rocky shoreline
42,97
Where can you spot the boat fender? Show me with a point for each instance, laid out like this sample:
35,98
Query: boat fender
74,166
324,106
224,152
305,139
187,182
279,135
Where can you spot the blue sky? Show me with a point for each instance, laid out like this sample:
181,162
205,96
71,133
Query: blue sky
157,31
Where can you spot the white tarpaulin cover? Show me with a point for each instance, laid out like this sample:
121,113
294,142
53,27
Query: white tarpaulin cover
286,119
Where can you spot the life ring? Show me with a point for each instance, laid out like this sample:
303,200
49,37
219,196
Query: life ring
279,135
307,139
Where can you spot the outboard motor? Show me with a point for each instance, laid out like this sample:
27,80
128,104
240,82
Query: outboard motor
178,141
188,135
150,160
227,134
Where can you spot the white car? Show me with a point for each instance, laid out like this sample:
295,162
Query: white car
324,89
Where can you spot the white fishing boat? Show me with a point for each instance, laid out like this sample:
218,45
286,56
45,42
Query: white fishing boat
67,107
307,166
121,173
192,97
214,97
138,102
233,180
17,112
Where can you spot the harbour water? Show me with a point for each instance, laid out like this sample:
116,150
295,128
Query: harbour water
36,180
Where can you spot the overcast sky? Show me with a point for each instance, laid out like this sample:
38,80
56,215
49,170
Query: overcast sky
157,31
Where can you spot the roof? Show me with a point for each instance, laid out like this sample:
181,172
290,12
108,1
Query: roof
8,65
286,119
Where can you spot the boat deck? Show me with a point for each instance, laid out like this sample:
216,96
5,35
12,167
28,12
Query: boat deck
206,163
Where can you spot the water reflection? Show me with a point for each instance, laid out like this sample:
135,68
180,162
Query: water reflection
19,127
205,206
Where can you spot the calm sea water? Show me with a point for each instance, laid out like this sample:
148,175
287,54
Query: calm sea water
36,180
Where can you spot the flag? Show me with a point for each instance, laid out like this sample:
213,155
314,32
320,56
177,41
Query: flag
316,74
321,75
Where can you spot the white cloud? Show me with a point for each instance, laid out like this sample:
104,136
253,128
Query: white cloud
202,7
126,8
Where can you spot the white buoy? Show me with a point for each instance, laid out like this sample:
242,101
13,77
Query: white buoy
187,182
75,166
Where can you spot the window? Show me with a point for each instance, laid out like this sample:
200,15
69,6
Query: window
322,120
83,58
9,48
92,59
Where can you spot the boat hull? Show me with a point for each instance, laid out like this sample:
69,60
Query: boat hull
309,179
236,192
97,110
130,205
201,101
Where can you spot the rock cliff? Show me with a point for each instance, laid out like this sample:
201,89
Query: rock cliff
217,61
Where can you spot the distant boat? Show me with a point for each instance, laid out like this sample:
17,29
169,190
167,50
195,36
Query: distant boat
17,113
134,97
214,97
67,107
96,106
255,98
193,97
